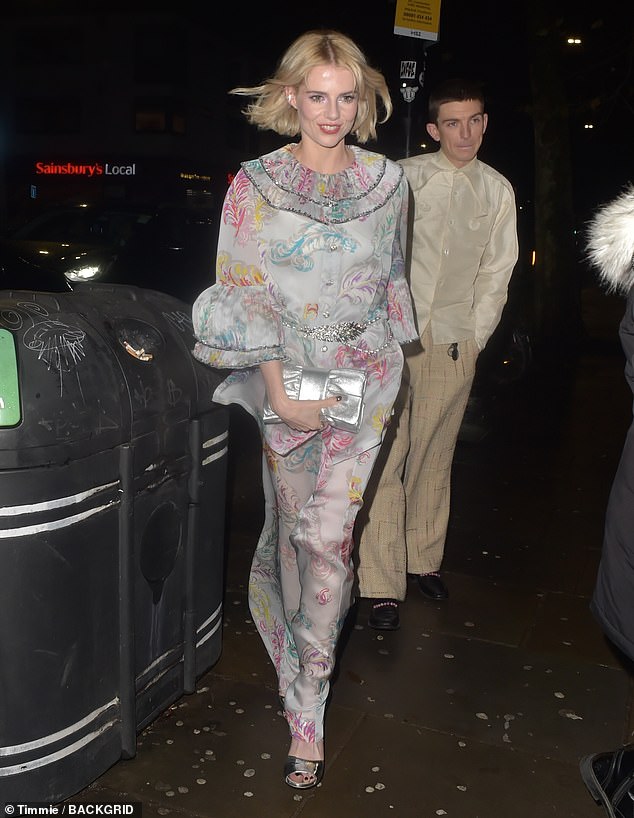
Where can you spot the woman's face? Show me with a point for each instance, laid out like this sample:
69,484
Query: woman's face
327,104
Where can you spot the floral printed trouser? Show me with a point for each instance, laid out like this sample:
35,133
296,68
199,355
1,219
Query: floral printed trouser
302,573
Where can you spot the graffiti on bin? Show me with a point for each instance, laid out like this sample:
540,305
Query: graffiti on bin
59,345
12,319
174,393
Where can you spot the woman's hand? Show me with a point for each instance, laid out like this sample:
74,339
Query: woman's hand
301,415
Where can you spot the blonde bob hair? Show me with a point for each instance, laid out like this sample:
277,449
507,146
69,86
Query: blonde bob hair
271,109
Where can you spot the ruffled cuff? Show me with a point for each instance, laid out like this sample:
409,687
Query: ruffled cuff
236,327
234,359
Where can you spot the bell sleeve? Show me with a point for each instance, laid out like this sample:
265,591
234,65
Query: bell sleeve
234,320
399,299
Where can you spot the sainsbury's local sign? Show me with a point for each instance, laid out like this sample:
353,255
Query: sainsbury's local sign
83,169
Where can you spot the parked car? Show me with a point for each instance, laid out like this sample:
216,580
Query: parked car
168,248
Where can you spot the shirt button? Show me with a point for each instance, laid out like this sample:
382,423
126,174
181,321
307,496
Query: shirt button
326,314
328,283
445,252
324,349
333,247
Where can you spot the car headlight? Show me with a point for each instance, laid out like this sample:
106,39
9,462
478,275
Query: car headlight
89,272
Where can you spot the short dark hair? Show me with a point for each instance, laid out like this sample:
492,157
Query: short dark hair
453,90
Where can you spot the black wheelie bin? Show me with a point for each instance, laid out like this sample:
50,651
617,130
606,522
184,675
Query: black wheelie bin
113,462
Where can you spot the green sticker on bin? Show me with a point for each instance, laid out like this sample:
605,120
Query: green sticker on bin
9,389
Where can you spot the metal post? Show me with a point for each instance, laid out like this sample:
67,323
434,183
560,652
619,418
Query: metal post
127,687
412,76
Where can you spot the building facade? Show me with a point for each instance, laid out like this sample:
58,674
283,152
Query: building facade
117,105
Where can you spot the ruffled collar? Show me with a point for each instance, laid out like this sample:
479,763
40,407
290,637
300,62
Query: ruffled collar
352,193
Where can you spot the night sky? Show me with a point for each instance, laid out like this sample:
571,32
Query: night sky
487,40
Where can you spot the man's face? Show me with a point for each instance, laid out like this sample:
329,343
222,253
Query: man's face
459,129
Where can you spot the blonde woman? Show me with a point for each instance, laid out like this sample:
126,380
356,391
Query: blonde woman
310,272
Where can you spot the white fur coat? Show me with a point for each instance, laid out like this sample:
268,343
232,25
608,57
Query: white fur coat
610,242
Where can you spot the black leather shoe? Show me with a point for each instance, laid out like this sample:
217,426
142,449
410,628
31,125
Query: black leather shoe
432,586
609,778
384,615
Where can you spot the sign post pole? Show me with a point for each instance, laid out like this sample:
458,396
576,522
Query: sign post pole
418,20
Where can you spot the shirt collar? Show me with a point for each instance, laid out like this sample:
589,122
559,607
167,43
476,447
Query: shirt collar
473,173
335,198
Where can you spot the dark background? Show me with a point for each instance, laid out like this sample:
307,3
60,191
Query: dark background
93,67
490,40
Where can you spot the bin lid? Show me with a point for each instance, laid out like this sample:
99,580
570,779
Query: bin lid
94,368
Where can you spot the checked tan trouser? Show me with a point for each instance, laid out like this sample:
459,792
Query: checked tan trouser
403,524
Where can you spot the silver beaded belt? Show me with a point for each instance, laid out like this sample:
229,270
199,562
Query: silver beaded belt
343,332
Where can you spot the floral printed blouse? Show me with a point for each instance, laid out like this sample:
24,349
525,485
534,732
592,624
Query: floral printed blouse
297,250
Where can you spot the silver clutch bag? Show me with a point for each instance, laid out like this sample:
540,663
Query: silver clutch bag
302,383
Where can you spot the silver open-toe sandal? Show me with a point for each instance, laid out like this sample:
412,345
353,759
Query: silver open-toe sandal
311,772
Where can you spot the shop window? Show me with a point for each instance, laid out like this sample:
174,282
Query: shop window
178,123
159,116
151,119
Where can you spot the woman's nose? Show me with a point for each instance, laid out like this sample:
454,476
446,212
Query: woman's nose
332,110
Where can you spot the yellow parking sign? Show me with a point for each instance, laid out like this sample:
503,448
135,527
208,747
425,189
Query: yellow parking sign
417,18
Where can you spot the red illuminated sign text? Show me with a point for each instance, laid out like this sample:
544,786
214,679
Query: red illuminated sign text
75,169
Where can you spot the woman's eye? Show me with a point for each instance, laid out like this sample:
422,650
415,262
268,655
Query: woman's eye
349,99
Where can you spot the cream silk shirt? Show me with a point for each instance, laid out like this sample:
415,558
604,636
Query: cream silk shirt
462,246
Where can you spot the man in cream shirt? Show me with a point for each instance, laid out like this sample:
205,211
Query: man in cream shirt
462,250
